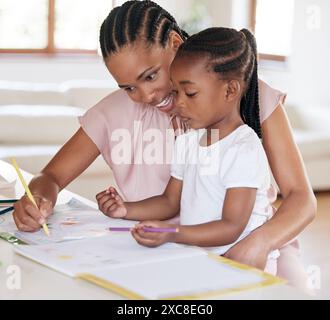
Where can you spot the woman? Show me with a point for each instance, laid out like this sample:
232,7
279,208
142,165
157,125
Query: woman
139,40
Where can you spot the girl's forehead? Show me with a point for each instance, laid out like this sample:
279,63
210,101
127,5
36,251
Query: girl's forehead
190,62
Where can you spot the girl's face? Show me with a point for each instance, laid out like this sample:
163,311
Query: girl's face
200,97
144,72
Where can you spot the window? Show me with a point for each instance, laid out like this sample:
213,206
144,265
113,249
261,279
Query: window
272,21
51,26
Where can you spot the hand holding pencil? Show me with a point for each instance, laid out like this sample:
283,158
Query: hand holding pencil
154,233
31,211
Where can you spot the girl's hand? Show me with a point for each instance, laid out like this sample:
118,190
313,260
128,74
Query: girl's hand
152,239
27,217
111,203
252,251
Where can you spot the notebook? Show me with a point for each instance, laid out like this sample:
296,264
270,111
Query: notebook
172,271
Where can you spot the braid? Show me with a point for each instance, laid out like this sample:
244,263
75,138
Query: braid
231,53
136,20
250,105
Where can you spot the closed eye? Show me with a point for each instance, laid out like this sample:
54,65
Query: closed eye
191,95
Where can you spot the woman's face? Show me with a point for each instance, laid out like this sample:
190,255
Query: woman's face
144,72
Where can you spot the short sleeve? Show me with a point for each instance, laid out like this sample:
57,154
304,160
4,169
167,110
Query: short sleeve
94,125
244,165
269,99
178,158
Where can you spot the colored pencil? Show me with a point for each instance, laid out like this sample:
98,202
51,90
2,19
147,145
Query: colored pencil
28,192
6,210
146,229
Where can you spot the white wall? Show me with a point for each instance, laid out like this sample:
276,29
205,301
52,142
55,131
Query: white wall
310,60
46,69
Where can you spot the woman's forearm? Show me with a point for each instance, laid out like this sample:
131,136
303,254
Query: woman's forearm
155,208
296,211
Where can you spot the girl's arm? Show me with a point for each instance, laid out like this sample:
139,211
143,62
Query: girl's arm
160,207
236,212
298,207
71,160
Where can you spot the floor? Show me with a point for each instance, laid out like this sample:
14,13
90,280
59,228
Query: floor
315,247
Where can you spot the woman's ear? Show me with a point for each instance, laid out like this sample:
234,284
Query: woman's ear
233,90
174,40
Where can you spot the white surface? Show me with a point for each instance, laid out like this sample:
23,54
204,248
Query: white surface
39,282
117,249
180,277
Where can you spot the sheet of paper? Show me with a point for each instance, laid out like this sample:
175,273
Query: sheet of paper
5,185
73,221
194,276
112,251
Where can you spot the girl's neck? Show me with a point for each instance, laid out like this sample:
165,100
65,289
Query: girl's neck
224,127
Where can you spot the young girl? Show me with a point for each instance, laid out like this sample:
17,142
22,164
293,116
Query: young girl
139,41
219,174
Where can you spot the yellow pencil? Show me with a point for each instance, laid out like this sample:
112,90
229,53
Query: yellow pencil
27,190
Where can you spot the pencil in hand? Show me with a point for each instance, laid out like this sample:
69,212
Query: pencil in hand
28,192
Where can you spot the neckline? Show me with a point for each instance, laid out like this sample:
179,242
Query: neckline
223,140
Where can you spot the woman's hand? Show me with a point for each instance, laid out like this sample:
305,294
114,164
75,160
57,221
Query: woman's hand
152,239
27,217
252,251
111,203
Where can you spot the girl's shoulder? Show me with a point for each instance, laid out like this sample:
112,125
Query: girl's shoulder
269,99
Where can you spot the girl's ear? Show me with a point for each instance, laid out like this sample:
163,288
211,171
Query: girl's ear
233,90
174,40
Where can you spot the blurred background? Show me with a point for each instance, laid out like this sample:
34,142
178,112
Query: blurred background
51,72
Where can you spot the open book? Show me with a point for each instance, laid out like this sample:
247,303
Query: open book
116,262
81,246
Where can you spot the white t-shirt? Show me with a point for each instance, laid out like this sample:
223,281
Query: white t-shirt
237,160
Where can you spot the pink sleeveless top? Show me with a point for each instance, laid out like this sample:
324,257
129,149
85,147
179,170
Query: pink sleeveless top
128,133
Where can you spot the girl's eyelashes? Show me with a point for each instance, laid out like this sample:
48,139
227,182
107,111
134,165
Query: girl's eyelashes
189,95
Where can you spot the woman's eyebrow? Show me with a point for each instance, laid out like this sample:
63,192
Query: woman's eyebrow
144,72
122,86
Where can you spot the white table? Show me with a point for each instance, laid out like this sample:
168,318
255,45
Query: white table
39,282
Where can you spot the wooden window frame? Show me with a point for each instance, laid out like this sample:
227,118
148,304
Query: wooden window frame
50,49
253,18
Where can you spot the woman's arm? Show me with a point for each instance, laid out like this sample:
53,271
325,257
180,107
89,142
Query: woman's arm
71,160
298,207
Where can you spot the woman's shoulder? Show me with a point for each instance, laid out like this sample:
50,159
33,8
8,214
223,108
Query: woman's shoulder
114,100
269,99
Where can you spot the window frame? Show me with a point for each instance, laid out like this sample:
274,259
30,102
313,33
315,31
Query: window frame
253,18
50,49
